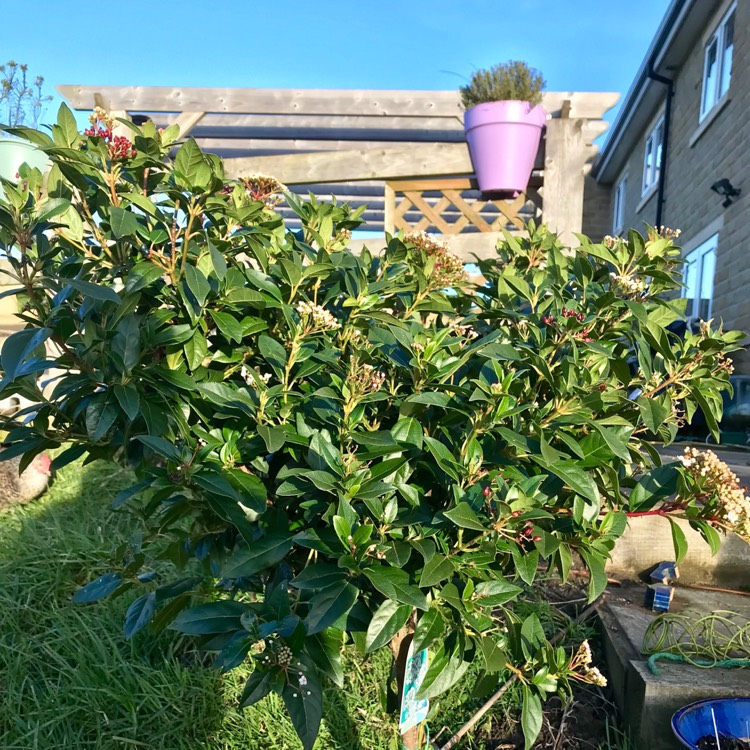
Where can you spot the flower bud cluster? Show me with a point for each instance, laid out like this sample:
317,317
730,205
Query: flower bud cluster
580,317
448,269
628,284
317,316
263,188
366,379
719,483
120,148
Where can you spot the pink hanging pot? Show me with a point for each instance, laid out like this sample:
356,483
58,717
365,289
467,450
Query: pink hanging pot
503,140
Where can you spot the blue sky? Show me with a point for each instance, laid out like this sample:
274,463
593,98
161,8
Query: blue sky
579,45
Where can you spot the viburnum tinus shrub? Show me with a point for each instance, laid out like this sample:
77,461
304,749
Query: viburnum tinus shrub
336,447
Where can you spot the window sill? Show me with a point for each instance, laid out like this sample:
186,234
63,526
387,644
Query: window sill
708,119
647,196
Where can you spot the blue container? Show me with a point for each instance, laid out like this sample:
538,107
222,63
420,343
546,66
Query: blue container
695,721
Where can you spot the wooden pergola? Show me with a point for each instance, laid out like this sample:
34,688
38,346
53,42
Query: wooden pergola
401,153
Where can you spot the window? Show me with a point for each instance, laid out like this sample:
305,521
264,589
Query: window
698,278
652,156
717,64
618,220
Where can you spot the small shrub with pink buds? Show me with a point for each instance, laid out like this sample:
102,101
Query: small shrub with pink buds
346,448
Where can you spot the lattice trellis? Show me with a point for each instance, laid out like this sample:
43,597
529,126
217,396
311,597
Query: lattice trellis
455,206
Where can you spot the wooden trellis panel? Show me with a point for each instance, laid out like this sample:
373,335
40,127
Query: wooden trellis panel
454,206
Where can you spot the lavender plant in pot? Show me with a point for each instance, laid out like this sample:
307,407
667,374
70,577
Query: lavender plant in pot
503,123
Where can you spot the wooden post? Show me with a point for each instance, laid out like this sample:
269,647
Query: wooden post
565,167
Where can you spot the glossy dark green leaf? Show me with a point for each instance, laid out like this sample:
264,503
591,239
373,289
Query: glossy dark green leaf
531,717
206,619
228,325
99,588
257,687
679,541
262,554
324,649
394,584
429,628
305,705
95,291
139,614
464,517
123,223
387,620
128,399
329,605
437,569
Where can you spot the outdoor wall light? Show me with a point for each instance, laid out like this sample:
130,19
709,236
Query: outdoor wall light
725,188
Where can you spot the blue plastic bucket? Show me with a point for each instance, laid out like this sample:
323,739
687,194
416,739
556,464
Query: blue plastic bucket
696,720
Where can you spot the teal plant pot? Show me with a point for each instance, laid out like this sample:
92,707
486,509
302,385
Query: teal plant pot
14,152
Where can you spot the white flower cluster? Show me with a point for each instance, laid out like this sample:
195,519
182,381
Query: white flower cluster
581,664
250,380
628,284
467,331
321,319
717,480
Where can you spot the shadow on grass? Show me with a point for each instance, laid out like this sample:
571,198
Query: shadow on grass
71,681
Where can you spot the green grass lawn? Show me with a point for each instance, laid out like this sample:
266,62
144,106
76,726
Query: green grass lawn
69,679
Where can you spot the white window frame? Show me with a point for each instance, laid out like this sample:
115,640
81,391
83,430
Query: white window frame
712,95
652,156
618,215
698,256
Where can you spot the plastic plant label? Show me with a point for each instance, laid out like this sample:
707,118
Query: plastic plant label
413,711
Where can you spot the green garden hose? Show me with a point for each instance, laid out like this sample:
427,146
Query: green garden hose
720,639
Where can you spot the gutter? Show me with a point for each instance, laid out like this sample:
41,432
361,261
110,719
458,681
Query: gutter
669,83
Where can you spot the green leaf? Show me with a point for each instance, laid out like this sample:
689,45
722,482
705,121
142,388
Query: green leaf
217,261
67,124
436,570
101,414
679,540
318,576
446,668
161,446
531,717
494,593
126,343
139,614
493,654
197,283
526,564
196,350
264,553
191,164
577,479
257,687
394,583
122,222
95,291
654,410
616,439
324,649
323,455
709,533
387,620
409,431
129,400
464,517
209,619
273,437
443,457
595,562
18,346
330,605
273,352
429,628
657,484
229,326
100,588
305,704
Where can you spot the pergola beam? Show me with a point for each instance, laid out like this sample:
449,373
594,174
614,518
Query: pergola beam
311,101
429,159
